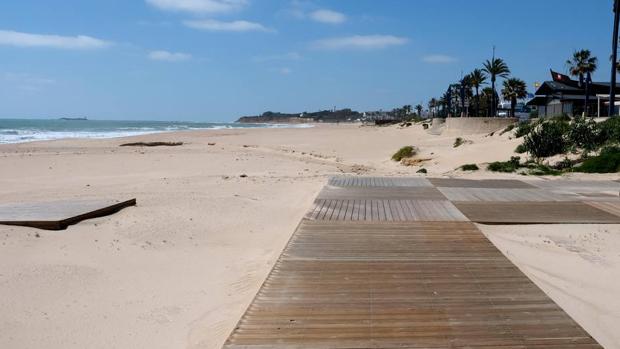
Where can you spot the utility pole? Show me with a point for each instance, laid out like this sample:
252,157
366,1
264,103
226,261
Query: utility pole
494,105
614,60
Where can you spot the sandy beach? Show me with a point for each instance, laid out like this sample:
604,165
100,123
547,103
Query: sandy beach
179,269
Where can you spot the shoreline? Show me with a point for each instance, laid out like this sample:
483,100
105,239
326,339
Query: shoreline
179,269
86,133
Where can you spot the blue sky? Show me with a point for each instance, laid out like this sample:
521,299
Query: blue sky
215,60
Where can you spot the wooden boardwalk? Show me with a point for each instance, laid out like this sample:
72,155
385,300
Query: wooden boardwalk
385,273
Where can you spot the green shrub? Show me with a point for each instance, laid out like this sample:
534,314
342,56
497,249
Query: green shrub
524,128
608,161
505,166
520,149
470,167
609,131
422,170
584,134
404,152
564,164
543,170
547,139
508,129
458,142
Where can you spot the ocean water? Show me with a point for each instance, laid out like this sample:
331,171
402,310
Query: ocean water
27,130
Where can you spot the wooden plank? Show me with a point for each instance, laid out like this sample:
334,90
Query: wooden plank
58,215
481,183
612,207
387,210
380,193
534,212
379,182
589,189
400,285
497,194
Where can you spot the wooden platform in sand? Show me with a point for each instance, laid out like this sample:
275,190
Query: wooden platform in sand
408,272
58,215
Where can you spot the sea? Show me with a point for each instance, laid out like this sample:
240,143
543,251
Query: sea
27,130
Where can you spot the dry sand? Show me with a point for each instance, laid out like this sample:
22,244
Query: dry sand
178,270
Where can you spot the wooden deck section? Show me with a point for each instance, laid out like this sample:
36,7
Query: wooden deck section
500,194
535,213
403,268
395,285
482,183
378,182
58,215
385,210
381,193
612,207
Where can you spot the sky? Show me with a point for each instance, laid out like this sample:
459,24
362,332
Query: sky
216,60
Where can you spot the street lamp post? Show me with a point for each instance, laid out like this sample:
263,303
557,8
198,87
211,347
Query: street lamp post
614,60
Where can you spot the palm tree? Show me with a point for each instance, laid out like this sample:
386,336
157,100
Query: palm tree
407,109
486,96
443,102
582,63
496,67
419,109
514,89
465,91
432,104
477,79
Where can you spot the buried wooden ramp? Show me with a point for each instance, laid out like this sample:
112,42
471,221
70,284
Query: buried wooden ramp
58,215
400,285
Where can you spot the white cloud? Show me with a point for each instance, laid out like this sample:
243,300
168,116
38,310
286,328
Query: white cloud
328,16
169,56
198,6
80,42
285,71
233,26
439,59
365,42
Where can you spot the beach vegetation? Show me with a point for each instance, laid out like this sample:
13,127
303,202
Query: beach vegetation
564,164
458,142
405,152
608,161
508,129
524,128
520,149
584,133
609,131
542,170
505,166
470,167
547,139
